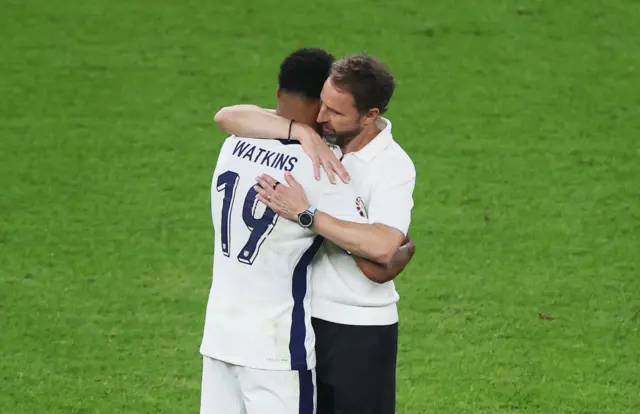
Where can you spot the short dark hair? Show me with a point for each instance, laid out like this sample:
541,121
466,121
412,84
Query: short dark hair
305,71
367,79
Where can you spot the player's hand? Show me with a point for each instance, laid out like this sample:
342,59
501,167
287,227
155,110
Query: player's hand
404,255
285,201
409,245
322,156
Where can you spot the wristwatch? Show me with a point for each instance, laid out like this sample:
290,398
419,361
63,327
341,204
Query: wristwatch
305,219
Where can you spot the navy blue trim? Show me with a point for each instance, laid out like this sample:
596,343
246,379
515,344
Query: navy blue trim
299,290
288,141
306,392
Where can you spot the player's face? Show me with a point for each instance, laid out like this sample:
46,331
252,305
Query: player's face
338,117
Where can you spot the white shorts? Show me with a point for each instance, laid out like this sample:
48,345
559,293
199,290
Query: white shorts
233,389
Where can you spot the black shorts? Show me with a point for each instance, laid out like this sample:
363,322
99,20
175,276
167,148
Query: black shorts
356,368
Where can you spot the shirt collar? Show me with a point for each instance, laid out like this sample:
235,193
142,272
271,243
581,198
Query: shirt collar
378,143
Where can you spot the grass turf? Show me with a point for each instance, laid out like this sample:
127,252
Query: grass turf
522,119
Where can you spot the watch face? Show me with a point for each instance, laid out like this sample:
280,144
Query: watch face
305,219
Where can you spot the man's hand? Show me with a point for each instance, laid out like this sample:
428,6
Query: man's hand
321,155
401,260
384,272
409,244
285,201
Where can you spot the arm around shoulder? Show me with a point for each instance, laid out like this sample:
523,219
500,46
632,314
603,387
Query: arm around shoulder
251,121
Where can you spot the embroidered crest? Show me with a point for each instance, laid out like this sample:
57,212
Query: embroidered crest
360,207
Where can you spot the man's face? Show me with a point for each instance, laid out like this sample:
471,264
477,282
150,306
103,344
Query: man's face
338,118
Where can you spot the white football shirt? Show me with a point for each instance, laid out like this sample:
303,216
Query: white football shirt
384,177
258,314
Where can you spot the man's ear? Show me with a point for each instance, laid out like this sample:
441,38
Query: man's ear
278,92
371,116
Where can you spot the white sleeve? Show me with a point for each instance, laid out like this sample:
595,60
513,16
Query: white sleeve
339,201
392,199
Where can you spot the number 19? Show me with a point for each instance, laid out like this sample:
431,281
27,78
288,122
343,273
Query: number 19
260,227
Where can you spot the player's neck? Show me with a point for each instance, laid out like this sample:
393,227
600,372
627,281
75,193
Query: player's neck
362,139
296,109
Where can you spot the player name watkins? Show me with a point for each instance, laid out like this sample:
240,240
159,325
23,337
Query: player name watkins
272,159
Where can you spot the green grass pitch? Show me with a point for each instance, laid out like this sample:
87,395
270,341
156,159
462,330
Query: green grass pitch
522,117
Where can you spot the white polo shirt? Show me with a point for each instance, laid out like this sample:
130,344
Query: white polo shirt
384,177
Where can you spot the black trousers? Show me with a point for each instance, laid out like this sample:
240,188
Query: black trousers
356,368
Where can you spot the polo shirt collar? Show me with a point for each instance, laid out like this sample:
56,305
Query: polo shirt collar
377,144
